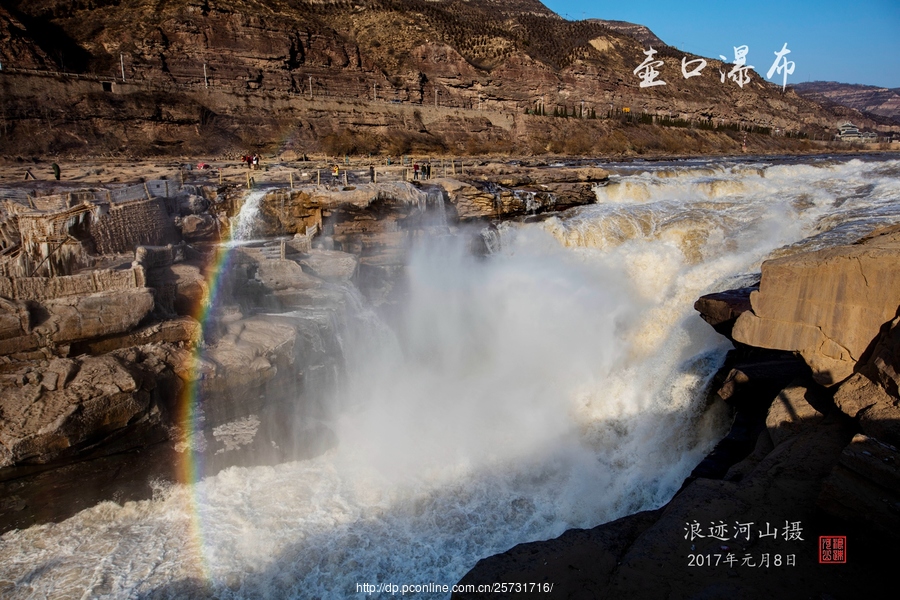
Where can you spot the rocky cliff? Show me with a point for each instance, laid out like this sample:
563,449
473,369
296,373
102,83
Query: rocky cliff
804,459
101,356
865,98
346,76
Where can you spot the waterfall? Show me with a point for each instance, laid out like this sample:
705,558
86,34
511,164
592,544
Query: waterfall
244,223
436,207
556,383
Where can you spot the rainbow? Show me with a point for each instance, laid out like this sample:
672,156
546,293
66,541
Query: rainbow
188,416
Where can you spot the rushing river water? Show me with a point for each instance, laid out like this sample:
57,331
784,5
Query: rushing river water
558,383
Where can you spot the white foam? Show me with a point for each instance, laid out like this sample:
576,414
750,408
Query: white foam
555,385
245,222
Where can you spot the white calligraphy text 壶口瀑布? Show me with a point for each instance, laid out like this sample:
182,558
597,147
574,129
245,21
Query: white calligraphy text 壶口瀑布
648,72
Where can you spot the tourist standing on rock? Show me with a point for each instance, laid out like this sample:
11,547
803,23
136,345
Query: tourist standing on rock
371,173
415,170
55,168
256,161
335,174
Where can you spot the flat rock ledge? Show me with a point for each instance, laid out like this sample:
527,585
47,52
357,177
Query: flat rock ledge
827,305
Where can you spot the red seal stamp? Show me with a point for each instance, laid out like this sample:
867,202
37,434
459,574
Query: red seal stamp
832,549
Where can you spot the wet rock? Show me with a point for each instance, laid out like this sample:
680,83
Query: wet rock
721,309
330,265
471,202
276,275
753,381
578,563
263,360
737,444
58,493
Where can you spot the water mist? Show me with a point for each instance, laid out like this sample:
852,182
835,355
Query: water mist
556,383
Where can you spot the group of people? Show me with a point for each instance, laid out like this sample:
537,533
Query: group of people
424,169
420,171
251,160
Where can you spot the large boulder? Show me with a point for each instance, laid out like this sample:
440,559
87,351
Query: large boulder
61,321
794,412
244,359
68,406
200,228
179,330
877,412
754,381
722,309
277,275
14,319
254,385
94,315
884,364
870,396
192,204
828,305
179,288
470,202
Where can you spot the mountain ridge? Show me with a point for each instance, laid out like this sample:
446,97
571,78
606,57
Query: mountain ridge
872,99
512,58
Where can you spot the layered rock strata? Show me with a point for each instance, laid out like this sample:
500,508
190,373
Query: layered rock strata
827,305
387,76
108,362
245,389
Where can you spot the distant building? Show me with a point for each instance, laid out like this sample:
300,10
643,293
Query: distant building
847,131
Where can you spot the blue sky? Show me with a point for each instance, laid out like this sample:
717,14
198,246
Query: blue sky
851,41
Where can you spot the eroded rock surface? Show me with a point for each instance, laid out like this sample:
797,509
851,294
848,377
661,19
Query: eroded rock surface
722,309
61,321
54,410
827,305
